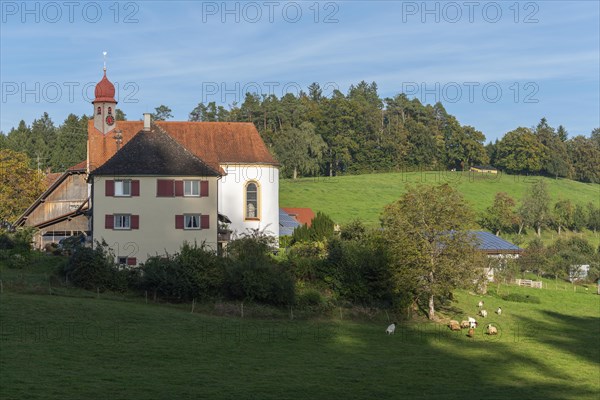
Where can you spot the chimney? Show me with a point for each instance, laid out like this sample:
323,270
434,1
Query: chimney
147,121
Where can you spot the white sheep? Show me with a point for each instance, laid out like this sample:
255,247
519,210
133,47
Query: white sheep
499,311
480,304
472,322
483,313
391,329
492,330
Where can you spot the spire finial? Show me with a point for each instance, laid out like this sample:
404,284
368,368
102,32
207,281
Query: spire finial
104,53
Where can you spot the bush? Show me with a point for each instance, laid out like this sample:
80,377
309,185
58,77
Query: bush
267,283
94,269
521,298
15,247
196,272
253,274
311,298
358,271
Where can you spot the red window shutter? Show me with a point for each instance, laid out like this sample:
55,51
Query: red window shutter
109,188
179,222
131,261
135,188
135,222
203,188
178,188
204,221
109,221
164,188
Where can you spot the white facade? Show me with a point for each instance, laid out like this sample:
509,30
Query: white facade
233,202
157,232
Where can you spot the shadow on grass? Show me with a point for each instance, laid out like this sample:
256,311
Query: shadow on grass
572,334
428,361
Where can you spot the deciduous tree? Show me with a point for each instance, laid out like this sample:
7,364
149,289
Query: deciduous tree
20,184
430,248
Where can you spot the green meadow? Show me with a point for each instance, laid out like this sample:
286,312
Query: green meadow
345,198
67,346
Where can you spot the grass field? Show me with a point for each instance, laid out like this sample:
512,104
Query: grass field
71,347
345,198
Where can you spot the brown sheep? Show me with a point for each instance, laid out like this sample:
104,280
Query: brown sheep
464,324
471,332
453,325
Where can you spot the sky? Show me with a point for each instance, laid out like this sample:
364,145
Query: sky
494,65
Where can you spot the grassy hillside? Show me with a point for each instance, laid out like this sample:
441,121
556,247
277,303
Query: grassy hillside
76,348
364,196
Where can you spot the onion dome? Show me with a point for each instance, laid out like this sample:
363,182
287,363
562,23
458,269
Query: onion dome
105,91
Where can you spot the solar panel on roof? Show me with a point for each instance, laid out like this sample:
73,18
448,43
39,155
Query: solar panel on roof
287,224
489,241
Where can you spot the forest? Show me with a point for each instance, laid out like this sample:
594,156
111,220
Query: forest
358,132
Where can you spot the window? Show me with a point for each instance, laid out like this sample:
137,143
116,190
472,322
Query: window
99,112
109,110
126,260
191,221
122,221
123,188
191,188
252,200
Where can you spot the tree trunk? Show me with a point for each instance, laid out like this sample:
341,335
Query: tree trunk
520,228
498,232
539,231
431,303
295,172
431,308
559,230
330,169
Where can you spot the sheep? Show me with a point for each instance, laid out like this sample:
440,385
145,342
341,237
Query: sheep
454,325
472,322
464,324
483,313
391,329
499,311
492,330
471,332
480,304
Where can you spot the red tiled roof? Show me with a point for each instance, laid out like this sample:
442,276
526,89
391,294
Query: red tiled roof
213,142
302,215
78,166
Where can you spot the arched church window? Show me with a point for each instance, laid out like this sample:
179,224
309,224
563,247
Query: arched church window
99,112
109,110
252,210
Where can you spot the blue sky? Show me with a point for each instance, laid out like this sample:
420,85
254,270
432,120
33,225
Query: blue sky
495,65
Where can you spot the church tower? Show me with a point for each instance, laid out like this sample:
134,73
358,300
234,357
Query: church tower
105,105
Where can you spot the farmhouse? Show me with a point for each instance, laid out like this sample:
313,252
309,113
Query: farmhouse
495,248
146,186
61,211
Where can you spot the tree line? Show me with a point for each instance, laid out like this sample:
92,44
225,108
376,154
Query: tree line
358,132
537,212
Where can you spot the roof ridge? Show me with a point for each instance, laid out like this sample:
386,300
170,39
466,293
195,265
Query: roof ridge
161,130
